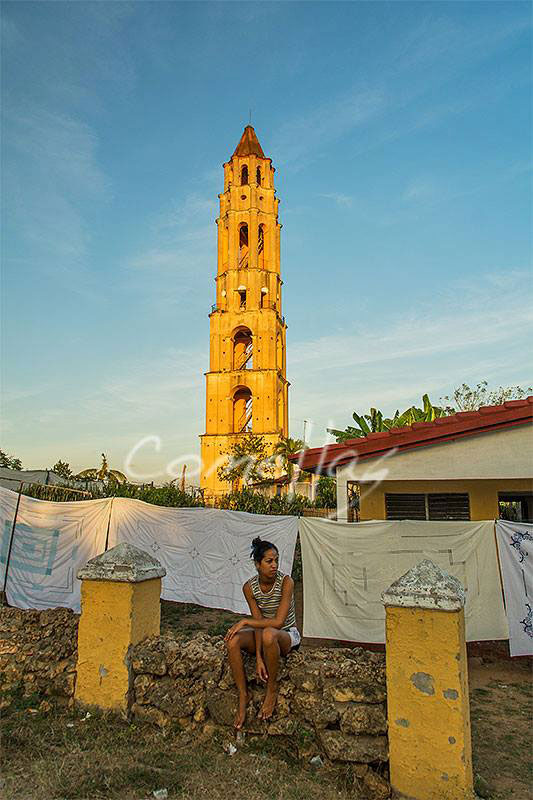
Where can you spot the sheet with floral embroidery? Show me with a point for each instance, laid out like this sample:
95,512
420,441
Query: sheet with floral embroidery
515,548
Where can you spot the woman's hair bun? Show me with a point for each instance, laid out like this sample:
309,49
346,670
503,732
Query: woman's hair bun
259,548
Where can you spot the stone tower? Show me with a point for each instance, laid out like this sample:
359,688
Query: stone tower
247,390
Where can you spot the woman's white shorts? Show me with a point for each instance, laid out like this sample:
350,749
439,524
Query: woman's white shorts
294,633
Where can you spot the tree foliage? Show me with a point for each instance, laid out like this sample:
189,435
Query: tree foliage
257,503
9,461
465,398
62,468
326,493
248,461
167,495
288,447
103,473
375,422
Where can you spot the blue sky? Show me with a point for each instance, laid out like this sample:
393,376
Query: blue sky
401,136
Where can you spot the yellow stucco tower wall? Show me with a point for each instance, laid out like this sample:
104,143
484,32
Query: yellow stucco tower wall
246,385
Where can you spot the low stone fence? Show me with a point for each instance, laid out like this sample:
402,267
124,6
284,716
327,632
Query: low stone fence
38,651
331,701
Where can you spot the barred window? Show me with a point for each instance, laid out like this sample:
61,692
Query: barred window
441,506
448,506
405,506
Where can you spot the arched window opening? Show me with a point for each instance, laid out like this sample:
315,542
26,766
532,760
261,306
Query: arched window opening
258,176
243,246
261,247
243,349
241,299
244,176
263,300
242,411
279,352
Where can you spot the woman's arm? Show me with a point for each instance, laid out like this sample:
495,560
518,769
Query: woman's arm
261,670
261,623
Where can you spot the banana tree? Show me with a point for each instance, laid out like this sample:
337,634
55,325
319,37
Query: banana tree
375,422
103,473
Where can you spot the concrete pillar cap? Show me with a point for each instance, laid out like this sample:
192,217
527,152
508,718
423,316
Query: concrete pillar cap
426,586
125,563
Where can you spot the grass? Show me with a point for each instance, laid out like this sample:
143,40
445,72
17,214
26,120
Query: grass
63,757
189,619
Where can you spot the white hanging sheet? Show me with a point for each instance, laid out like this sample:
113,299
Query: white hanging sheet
8,505
51,541
515,547
206,551
347,566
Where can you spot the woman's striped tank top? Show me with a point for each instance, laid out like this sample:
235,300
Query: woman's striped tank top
268,602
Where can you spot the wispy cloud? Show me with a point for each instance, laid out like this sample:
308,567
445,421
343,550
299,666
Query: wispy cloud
418,189
428,348
327,123
51,175
433,53
181,245
342,200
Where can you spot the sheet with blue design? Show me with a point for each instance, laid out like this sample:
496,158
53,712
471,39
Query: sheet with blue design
50,542
515,547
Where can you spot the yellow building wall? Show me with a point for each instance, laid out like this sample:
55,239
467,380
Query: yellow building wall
483,494
256,271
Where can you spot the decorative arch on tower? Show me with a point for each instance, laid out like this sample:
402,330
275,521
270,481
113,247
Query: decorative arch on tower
243,352
244,176
261,246
243,245
242,402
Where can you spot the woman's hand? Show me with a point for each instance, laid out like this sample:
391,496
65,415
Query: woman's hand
261,670
235,629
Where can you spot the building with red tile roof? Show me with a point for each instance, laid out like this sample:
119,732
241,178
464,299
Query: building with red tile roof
470,465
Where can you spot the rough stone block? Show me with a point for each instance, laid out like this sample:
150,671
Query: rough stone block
340,746
364,718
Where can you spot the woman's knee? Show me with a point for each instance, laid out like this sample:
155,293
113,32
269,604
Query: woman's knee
270,636
233,644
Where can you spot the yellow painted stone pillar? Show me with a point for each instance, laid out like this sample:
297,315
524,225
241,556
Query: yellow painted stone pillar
427,686
120,606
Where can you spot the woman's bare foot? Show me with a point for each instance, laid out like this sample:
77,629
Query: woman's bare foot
240,716
269,703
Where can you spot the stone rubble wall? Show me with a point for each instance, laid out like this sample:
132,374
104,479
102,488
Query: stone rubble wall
331,701
38,655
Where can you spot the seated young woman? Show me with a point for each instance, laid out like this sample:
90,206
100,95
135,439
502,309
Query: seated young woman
270,631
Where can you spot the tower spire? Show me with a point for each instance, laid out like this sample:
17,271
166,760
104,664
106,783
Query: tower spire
249,144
